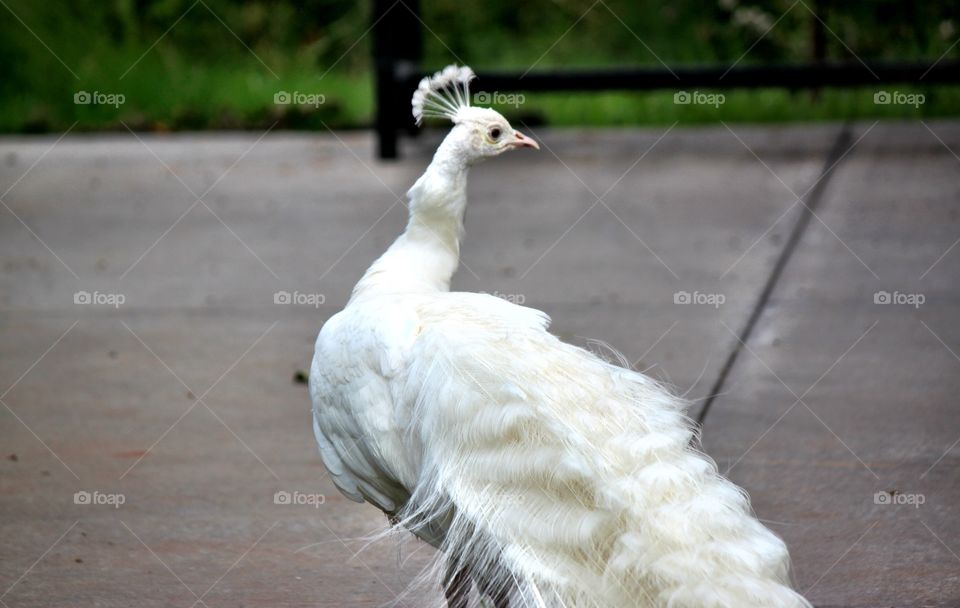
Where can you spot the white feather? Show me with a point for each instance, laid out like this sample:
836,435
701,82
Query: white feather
545,473
444,94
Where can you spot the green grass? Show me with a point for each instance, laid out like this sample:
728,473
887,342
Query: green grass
178,95
173,94
759,105
194,74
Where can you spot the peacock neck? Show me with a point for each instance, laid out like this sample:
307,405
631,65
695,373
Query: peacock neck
424,258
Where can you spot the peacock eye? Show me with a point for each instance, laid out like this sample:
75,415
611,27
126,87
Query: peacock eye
495,133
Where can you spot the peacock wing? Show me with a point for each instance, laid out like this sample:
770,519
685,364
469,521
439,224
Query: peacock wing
354,416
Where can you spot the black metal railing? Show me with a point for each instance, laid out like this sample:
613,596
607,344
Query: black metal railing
398,47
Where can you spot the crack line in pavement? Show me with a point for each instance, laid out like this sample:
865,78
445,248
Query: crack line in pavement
834,156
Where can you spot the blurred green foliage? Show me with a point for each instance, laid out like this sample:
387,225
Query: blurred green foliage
198,64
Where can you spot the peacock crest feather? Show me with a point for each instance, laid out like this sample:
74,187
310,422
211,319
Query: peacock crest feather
444,94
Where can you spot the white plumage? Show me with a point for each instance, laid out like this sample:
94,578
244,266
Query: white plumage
543,474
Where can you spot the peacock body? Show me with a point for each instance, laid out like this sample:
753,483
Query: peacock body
543,474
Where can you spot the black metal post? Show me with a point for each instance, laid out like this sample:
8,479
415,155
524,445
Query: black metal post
397,49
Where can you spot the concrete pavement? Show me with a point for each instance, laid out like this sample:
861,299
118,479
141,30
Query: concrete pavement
147,349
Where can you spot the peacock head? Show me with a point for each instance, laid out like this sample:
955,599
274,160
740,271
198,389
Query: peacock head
478,133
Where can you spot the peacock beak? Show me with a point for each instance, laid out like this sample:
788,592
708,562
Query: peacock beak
522,141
